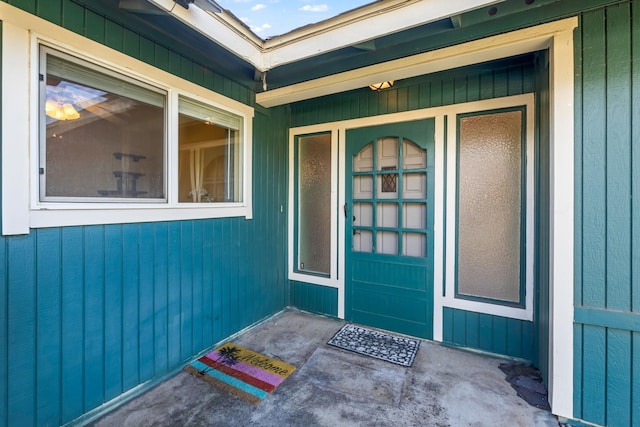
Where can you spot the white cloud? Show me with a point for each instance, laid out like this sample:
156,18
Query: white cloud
260,28
315,8
258,7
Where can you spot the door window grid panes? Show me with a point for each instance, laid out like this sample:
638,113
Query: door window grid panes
399,226
104,138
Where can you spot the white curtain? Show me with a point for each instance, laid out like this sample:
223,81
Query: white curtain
196,169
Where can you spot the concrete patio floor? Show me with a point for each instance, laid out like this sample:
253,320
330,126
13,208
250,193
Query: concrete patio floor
333,387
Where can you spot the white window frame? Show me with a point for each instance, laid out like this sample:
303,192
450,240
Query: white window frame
450,200
333,279
22,208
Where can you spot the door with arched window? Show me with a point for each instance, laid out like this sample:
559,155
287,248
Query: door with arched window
389,227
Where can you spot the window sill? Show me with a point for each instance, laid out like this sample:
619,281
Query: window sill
57,216
491,309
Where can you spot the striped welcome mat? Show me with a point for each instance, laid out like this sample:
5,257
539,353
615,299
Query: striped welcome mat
240,372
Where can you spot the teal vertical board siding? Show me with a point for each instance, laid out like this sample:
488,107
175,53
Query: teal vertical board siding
95,309
594,378
196,280
619,344
114,326
185,308
72,16
174,295
635,377
594,152
72,336
88,313
21,322
48,309
218,330
635,170
618,155
161,297
50,10
95,26
4,342
27,5
495,334
607,289
92,312
314,298
635,161
146,278
131,287
462,85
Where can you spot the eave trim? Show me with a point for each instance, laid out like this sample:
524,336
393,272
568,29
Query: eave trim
350,28
490,48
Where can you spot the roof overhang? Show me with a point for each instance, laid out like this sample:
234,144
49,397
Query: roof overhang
487,49
351,28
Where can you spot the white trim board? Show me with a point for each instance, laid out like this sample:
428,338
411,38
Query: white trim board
487,49
350,28
449,299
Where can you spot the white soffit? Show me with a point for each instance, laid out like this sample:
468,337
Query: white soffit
220,28
495,47
362,24
350,28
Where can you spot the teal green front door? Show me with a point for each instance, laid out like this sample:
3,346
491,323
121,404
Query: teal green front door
389,227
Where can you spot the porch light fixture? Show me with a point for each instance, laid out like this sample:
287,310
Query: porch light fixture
60,111
381,86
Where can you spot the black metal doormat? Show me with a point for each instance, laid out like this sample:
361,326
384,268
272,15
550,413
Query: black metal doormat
391,348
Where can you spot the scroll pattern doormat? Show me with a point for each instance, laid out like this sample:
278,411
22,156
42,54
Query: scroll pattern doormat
391,348
240,372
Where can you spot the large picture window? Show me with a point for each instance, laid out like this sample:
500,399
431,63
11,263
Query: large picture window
107,137
102,134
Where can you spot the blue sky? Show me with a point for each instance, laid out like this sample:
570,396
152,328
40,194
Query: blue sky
269,18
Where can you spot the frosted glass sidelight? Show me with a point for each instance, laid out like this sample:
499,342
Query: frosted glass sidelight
489,204
314,199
